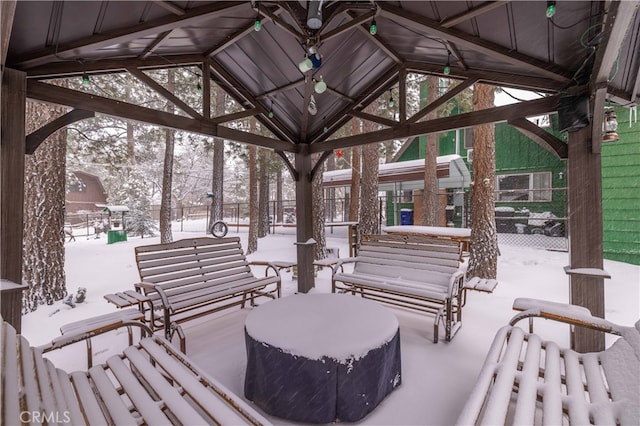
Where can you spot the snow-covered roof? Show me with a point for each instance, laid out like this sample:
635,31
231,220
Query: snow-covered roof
451,171
113,209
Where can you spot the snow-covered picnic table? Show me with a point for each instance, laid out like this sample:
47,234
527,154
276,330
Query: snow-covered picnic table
321,358
461,235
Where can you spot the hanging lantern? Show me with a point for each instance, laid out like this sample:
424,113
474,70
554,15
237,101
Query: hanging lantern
610,126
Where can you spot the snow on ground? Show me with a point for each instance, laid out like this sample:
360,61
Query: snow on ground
437,378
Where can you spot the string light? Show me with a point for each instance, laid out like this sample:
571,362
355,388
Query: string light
551,8
199,87
373,28
85,78
257,25
391,101
447,68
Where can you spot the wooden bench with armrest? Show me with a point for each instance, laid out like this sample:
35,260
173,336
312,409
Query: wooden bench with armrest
148,383
193,277
412,271
527,380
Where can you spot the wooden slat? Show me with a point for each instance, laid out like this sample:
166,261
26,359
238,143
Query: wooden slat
157,383
9,366
215,403
528,383
597,389
72,405
150,409
578,409
111,401
552,396
88,399
31,398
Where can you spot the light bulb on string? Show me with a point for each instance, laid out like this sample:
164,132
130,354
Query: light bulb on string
391,102
447,67
85,79
373,27
551,9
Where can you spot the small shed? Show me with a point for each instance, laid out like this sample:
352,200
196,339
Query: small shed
117,230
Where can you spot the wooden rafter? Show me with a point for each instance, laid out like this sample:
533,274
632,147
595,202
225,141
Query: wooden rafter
379,42
491,115
154,44
442,99
244,97
540,136
355,21
485,7
287,163
125,34
7,11
35,138
176,10
63,96
162,91
282,24
374,118
236,116
485,47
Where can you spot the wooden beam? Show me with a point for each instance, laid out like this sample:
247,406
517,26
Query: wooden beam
370,117
281,89
234,86
379,42
485,7
492,50
540,136
515,81
62,96
12,147
308,93
283,25
366,96
287,163
154,44
402,95
176,10
584,195
35,138
236,116
154,85
470,119
321,160
125,34
442,99
7,11
355,21
597,116
108,66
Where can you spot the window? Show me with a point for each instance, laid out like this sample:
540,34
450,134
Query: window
524,187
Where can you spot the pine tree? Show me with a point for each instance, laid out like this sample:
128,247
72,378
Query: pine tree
43,250
483,257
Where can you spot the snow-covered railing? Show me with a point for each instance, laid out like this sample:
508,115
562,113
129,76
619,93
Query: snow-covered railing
148,383
526,380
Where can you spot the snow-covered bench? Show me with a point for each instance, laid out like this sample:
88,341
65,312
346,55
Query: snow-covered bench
189,278
526,380
410,271
148,383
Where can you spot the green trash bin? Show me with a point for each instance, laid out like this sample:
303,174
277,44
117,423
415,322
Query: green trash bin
116,236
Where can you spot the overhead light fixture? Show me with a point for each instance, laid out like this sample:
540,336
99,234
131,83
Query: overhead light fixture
447,68
319,86
257,25
610,126
551,8
391,101
271,114
373,28
199,87
85,78
312,108
314,14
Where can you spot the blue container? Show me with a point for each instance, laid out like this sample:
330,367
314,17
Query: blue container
406,216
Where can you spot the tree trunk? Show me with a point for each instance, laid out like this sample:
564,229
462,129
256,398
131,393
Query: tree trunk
354,194
369,190
279,208
166,235
263,194
330,164
252,244
430,194
318,212
217,182
483,258
43,252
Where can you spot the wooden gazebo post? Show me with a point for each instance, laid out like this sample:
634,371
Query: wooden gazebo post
304,220
585,234
14,89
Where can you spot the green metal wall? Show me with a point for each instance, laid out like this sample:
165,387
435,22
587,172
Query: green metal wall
621,192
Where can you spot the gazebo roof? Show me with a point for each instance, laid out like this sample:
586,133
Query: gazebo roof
511,44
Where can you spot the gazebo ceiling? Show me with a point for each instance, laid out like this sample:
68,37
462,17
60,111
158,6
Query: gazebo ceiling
506,43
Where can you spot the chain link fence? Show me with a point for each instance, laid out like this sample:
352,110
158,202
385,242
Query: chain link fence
540,224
